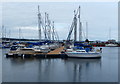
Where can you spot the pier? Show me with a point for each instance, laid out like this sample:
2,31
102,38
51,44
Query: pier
56,52
52,54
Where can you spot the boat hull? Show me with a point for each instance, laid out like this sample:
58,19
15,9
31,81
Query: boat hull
111,45
83,55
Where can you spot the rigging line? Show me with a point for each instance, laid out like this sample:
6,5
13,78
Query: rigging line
57,35
70,31
50,29
53,30
49,25
42,21
84,34
43,29
43,25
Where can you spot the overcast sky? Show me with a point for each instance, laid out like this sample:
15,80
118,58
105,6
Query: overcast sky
101,16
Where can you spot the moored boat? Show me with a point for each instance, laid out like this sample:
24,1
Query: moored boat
83,54
83,51
111,45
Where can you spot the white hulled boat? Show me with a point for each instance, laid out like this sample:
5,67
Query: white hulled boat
83,53
111,45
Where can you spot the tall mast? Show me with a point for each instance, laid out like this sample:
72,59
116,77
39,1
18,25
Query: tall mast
75,27
2,31
9,34
5,32
80,27
109,33
80,31
53,31
86,30
45,26
39,23
19,34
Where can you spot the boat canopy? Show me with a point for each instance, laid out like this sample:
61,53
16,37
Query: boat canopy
82,45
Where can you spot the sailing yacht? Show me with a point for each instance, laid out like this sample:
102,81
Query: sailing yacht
111,44
83,51
80,50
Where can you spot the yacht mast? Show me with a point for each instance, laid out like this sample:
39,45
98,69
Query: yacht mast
80,27
109,33
9,35
19,35
86,30
75,27
45,26
39,23
53,31
2,31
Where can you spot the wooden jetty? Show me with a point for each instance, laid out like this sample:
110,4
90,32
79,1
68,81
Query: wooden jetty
55,53
52,54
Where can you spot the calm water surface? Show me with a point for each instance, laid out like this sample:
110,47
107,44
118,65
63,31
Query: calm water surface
61,70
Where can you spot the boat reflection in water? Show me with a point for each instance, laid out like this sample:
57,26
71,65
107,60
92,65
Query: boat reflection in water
83,70
61,70
50,70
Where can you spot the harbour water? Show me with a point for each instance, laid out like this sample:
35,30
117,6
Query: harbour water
61,70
